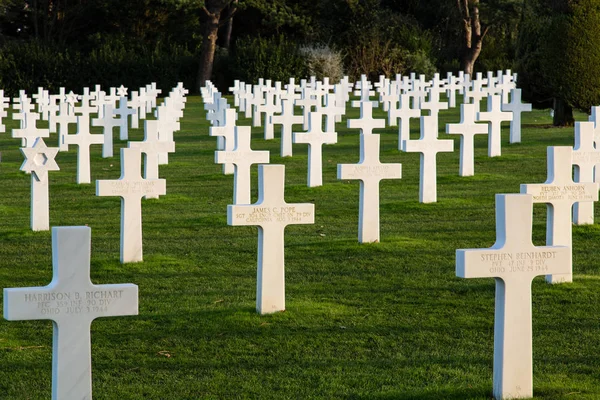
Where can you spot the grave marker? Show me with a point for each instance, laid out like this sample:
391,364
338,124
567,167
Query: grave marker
370,171
131,187
559,192
315,138
287,120
494,116
242,156
227,133
404,113
366,123
83,139
428,145
71,301
467,128
586,159
514,261
516,107
271,214
39,159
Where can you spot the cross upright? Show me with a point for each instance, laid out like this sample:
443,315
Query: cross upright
4,104
505,85
586,159
30,132
495,116
39,159
42,99
516,107
364,91
366,123
331,110
428,145
151,146
85,107
63,119
404,113
72,302
269,108
235,91
559,192
315,138
370,171
83,140
99,101
434,105
136,103
107,122
271,214
258,99
227,133
452,86
467,128
123,112
242,156
131,187
308,101
287,120
418,92
438,87
464,83
513,261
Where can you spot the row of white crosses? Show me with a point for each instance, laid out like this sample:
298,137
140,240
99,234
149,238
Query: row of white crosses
514,261
39,159
71,301
270,213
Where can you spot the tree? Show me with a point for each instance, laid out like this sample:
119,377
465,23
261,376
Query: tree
558,55
212,9
473,34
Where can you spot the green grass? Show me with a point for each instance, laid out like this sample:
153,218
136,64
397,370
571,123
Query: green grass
375,321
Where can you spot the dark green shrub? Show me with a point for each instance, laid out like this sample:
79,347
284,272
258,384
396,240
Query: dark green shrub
270,58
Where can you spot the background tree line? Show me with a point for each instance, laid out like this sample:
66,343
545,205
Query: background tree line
554,45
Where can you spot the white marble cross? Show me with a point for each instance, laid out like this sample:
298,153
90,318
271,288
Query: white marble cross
287,120
467,128
434,105
83,139
514,261
4,104
131,187
315,138
226,132
477,92
404,113
366,123
85,108
370,171
152,147
269,108
42,99
123,112
586,159
271,214
559,192
494,116
452,86
364,87
428,145
39,159
331,110
516,107
242,156
71,301
308,101
30,132
595,118
64,117
107,122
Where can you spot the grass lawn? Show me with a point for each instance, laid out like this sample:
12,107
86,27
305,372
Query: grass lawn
374,321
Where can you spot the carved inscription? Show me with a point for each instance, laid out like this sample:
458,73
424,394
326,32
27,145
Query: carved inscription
363,171
288,215
232,157
586,157
123,188
72,303
530,261
549,193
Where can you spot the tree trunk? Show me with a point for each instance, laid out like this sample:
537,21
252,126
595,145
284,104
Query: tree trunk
472,34
563,113
209,45
228,29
